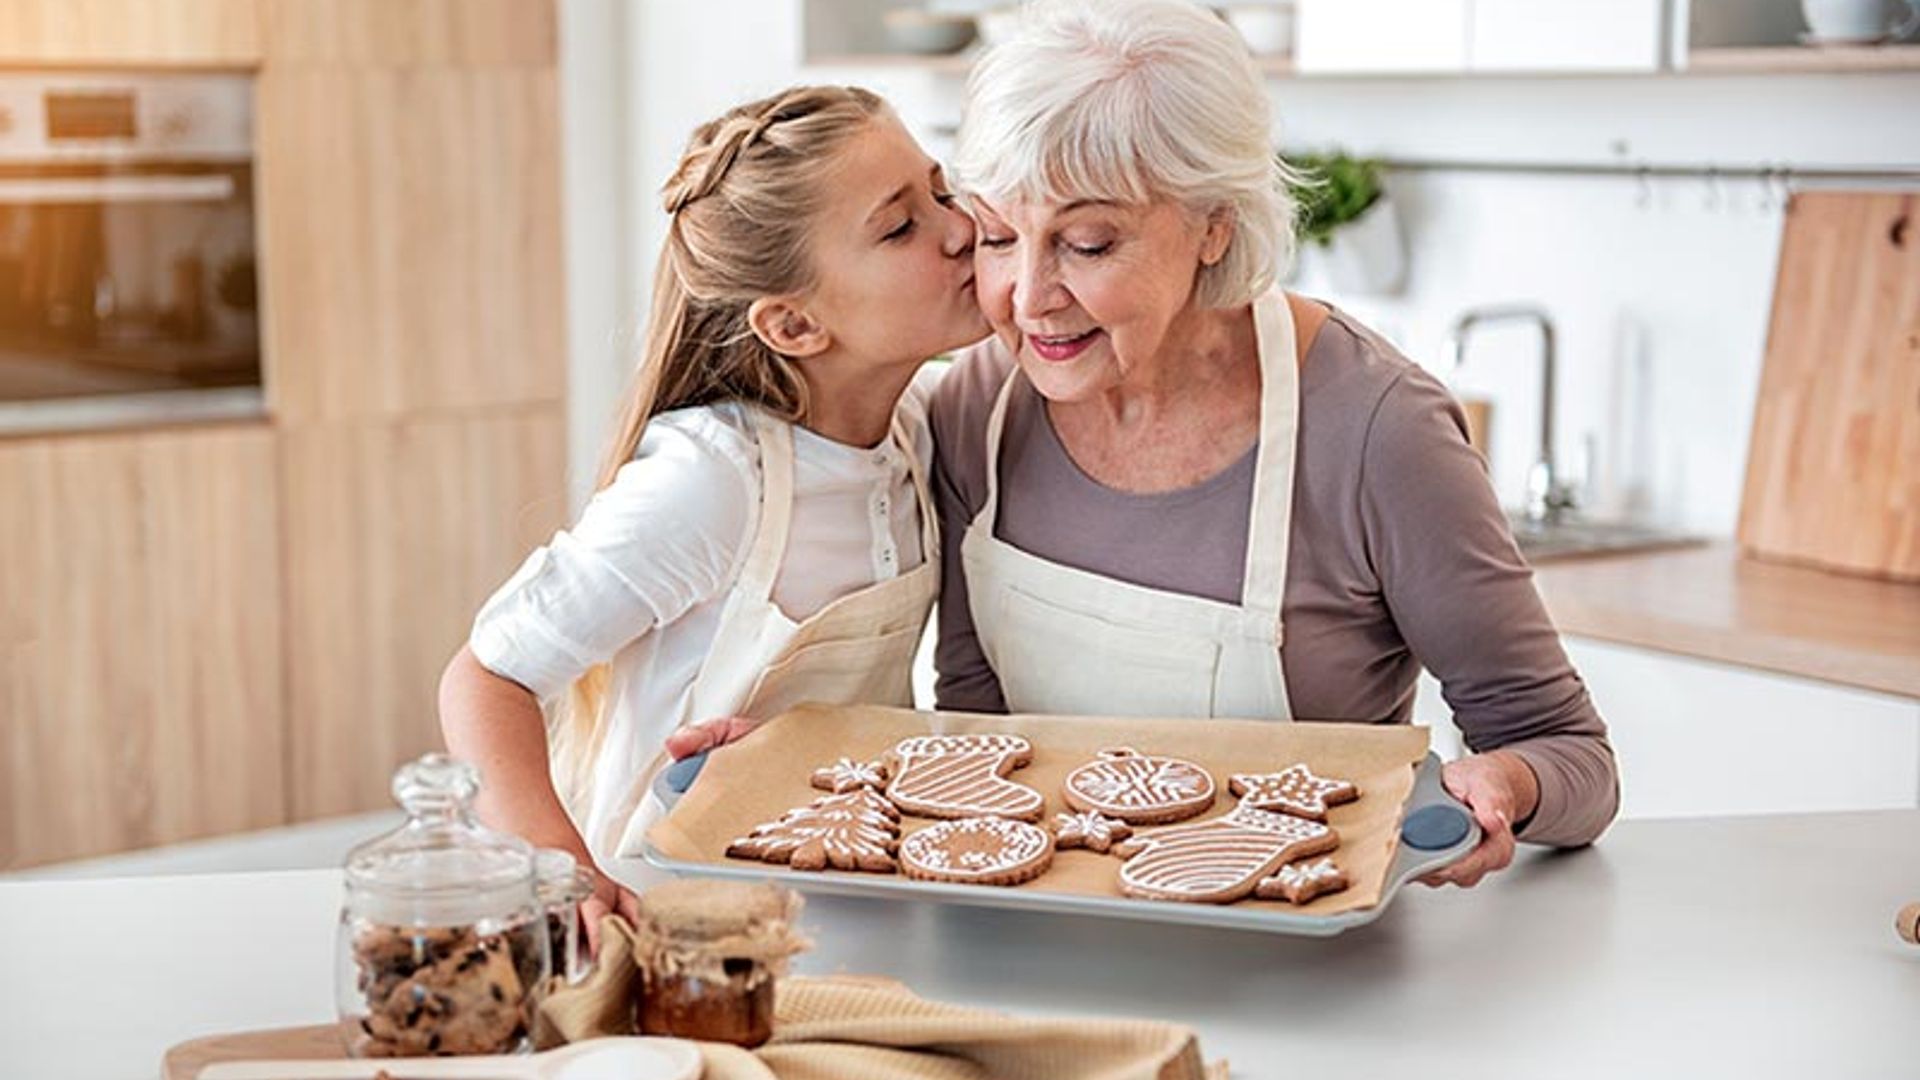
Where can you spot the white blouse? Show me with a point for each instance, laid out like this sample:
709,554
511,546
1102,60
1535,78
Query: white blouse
641,578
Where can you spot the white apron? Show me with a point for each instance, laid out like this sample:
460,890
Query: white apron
1067,641
857,650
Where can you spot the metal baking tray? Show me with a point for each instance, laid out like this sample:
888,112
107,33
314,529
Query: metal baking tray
1408,863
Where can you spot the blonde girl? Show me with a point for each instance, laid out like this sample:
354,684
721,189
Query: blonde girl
762,532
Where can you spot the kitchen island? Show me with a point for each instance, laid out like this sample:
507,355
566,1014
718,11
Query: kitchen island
1753,946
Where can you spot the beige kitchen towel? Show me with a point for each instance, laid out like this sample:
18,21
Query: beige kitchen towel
852,1028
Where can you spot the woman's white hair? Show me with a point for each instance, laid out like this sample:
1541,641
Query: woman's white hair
1134,101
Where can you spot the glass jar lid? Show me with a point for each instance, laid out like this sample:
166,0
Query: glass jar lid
440,868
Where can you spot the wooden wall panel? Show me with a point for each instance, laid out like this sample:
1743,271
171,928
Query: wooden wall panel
142,636
410,235
396,532
411,33
197,33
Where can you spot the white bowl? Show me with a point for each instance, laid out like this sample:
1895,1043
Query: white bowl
1267,28
927,32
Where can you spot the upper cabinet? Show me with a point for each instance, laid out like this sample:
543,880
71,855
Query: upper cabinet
191,33
1372,37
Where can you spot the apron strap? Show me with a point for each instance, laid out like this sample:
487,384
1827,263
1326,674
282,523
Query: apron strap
922,490
996,423
776,505
1270,524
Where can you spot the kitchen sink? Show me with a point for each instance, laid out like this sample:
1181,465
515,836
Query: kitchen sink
1573,538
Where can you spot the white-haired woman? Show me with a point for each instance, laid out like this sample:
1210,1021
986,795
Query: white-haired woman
1161,460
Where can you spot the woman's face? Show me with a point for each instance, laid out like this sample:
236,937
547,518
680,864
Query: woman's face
1085,293
892,253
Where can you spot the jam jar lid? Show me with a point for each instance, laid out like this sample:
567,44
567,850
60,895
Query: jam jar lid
440,868
693,927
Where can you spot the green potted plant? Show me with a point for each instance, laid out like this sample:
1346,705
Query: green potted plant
1346,216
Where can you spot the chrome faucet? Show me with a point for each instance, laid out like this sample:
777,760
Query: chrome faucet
1548,497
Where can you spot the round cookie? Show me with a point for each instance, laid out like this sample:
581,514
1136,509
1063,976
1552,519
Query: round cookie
1140,789
977,851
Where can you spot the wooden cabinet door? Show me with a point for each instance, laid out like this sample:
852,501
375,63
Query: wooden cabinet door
396,532
199,33
141,681
410,211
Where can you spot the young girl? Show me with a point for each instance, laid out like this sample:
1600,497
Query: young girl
762,534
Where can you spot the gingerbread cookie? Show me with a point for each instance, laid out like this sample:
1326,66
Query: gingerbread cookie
1218,861
1293,790
1140,789
856,830
1089,829
977,851
847,774
960,776
1300,882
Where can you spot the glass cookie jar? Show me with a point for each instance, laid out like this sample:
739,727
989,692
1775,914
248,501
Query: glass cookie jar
442,945
709,953
562,883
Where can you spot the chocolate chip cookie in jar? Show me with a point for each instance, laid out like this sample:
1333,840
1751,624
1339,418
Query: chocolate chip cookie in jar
562,883
710,953
443,944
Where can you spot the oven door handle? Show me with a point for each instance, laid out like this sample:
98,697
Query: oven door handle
204,187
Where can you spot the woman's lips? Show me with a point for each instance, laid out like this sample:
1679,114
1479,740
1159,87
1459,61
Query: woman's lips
1061,349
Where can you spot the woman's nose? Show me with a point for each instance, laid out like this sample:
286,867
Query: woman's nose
1036,288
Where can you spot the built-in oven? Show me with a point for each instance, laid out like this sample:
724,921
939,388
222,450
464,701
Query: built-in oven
128,281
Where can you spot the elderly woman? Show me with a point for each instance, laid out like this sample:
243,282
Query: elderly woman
1169,488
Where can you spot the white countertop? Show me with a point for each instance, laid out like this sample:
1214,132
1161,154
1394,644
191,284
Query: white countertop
1753,947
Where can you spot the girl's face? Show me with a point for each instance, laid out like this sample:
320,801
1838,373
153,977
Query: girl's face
893,254
1086,294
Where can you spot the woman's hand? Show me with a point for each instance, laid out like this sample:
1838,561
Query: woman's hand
1499,789
698,738
609,898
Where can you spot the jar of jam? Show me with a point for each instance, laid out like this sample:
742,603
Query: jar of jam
443,945
709,954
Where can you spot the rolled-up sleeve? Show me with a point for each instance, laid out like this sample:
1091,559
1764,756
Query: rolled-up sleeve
667,534
1463,598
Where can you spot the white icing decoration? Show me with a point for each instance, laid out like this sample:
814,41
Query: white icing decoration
1089,829
1010,846
1221,860
952,776
1125,781
847,774
1294,790
856,830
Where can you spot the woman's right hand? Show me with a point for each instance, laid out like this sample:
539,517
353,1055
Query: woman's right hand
609,898
699,738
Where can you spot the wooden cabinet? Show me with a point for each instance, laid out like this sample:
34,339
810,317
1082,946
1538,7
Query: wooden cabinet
411,33
152,33
1695,737
140,691
396,532
410,240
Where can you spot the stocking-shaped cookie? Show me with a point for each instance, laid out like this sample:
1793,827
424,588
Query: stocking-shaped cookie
957,776
1218,861
857,830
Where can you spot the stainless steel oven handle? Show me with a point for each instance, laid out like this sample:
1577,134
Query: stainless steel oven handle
214,187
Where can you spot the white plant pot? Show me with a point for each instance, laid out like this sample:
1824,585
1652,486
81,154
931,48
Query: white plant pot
1368,254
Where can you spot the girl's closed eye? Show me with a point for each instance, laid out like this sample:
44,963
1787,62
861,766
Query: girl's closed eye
900,231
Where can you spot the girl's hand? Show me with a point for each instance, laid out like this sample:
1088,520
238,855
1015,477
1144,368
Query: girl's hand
1499,789
699,738
609,897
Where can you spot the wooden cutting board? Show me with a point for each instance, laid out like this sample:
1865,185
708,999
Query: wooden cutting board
1833,471
321,1041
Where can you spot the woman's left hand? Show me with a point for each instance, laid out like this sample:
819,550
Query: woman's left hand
1499,789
